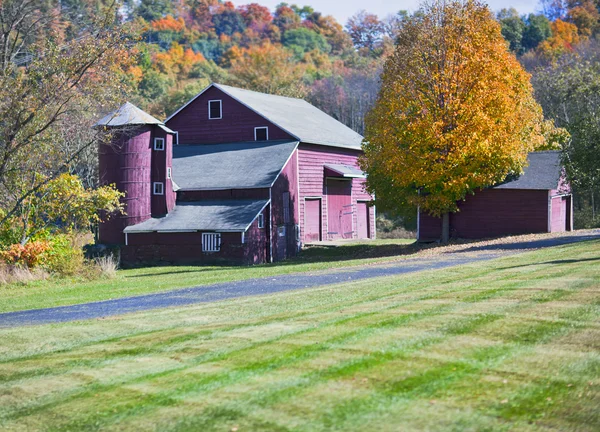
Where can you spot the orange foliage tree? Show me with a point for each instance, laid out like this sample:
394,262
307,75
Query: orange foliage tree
455,112
178,61
564,38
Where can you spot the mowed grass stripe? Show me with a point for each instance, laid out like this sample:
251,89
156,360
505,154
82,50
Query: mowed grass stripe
299,355
392,322
291,359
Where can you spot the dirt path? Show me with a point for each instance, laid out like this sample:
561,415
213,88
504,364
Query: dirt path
464,255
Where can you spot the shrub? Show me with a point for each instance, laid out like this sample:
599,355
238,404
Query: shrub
64,256
29,255
18,274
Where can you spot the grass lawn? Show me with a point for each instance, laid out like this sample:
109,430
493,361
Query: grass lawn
58,292
509,344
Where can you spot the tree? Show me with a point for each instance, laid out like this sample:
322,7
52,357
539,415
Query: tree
269,69
455,112
152,10
569,92
512,28
537,29
51,97
565,37
228,22
366,30
302,40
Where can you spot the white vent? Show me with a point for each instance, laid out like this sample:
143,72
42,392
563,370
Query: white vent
261,220
211,242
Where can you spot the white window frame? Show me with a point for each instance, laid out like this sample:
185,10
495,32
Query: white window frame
162,144
261,127
261,220
211,242
220,109
169,173
162,188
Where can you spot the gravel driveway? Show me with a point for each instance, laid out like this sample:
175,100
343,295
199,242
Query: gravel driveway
221,291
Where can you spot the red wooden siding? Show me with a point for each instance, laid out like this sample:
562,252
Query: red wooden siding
284,234
255,248
179,247
493,213
236,125
127,164
311,159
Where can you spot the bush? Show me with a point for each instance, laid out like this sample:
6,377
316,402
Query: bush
17,274
29,255
64,256
107,266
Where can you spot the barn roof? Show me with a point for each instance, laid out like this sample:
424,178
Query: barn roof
543,173
219,216
129,114
230,166
296,116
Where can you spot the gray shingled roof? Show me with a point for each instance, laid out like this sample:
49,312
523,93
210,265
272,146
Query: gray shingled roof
219,216
296,116
128,114
230,166
542,173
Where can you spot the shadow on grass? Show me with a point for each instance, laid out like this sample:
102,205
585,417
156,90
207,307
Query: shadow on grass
555,262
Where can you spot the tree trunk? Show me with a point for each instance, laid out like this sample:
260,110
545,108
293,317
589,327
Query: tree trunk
446,227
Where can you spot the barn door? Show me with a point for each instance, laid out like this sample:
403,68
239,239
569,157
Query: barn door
362,216
312,220
339,209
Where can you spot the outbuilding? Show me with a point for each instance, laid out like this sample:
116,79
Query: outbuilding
538,201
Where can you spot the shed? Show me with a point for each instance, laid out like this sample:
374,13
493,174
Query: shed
537,201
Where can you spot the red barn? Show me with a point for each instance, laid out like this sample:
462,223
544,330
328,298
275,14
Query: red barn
538,201
252,177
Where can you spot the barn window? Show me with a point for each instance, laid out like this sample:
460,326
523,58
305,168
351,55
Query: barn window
261,133
286,207
169,172
211,242
261,220
159,143
215,110
159,188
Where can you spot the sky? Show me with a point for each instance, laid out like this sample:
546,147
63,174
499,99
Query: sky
343,9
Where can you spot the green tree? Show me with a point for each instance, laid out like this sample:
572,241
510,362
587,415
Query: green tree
537,29
152,10
512,28
303,40
455,112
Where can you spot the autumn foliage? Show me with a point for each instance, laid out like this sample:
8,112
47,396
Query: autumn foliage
455,111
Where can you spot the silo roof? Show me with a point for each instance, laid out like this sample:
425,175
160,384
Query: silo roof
128,114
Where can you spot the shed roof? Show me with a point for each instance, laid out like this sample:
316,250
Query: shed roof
230,166
543,173
218,216
129,114
345,170
296,116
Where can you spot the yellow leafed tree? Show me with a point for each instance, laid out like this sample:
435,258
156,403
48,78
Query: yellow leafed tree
455,111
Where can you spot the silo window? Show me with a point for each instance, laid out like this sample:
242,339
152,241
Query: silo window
159,143
159,188
215,110
261,133
169,172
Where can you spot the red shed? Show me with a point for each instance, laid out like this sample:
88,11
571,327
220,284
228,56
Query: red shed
537,201
256,176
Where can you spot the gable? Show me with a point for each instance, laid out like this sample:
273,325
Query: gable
236,124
